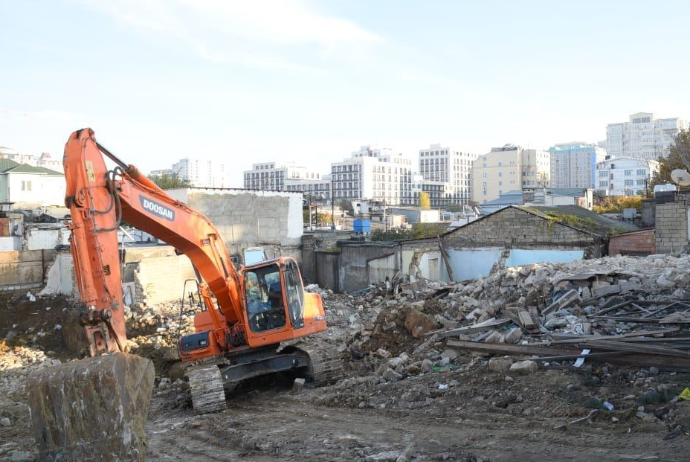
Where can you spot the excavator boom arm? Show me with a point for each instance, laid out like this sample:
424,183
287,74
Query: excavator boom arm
99,199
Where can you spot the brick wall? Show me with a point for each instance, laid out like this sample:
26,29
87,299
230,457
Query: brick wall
672,225
637,243
512,227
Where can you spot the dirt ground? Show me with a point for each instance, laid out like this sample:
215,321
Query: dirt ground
460,412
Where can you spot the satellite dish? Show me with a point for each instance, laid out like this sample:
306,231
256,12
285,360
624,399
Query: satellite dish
680,177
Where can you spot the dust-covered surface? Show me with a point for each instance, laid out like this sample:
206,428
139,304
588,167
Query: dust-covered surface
406,395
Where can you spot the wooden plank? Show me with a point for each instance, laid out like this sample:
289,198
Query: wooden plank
637,359
640,320
446,259
570,338
612,308
482,326
676,318
526,320
614,345
659,310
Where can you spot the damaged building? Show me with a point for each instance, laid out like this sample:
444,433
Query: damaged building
513,236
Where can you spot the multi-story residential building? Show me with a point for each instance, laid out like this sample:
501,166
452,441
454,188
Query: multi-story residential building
374,174
509,168
317,189
203,173
286,176
441,193
643,136
624,176
574,165
446,164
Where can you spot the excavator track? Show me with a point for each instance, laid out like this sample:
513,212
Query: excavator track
206,387
326,362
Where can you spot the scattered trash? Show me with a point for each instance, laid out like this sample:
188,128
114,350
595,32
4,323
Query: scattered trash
685,395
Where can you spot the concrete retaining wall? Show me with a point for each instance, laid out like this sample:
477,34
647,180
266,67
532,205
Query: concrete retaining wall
244,218
20,269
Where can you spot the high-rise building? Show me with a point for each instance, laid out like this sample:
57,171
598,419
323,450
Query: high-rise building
449,165
574,165
624,176
509,168
643,136
375,174
287,176
203,173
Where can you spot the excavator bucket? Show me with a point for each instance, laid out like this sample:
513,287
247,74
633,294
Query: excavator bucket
94,409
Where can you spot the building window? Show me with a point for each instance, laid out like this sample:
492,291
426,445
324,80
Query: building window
627,172
629,182
26,185
603,173
641,171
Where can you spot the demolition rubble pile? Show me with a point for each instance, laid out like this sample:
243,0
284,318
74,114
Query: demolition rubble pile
584,315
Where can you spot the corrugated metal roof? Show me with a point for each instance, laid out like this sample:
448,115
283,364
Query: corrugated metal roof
6,164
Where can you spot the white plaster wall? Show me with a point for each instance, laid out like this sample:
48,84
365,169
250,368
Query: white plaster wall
520,257
45,190
470,264
37,239
60,277
10,243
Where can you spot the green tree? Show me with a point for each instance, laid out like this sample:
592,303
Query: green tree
170,181
678,158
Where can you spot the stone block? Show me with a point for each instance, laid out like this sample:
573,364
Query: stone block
524,367
94,409
606,290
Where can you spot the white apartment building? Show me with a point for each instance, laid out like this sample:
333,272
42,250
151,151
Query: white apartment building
203,173
286,176
507,169
643,136
317,189
374,174
624,176
446,164
441,193
574,165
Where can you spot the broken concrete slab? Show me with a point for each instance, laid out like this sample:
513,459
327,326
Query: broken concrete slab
606,290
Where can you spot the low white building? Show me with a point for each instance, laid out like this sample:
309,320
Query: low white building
624,176
28,187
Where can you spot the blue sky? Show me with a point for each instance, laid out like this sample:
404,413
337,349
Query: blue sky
311,81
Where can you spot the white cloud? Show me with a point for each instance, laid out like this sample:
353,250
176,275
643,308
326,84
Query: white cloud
218,29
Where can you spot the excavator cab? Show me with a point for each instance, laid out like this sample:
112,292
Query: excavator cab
274,295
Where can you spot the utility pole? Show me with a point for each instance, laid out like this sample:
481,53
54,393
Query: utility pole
332,207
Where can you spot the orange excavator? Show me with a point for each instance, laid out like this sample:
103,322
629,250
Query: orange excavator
96,409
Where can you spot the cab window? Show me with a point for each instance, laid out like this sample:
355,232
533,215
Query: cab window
264,298
295,294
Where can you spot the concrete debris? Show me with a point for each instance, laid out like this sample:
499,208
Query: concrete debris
524,367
